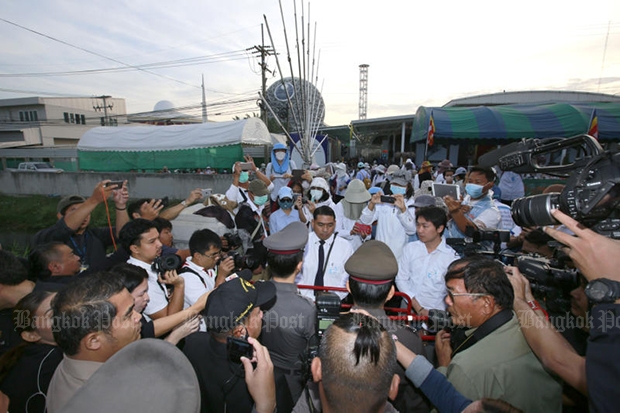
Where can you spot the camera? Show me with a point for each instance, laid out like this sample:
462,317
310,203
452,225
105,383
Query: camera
243,260
206,192
304,200
237,348
550,280
327,311
592,192
233,240
165,263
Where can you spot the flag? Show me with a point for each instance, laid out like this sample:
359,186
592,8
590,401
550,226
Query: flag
430,138
593,127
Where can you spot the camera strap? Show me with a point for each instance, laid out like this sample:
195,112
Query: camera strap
187,269
484,330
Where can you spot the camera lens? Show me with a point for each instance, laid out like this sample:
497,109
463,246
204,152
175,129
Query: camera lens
535,210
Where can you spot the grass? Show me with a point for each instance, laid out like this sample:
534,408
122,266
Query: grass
29,214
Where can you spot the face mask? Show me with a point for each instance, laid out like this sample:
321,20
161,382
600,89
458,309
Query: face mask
260,200
244,176
305,185
398,190
316,194
280,156
286,204
449,179
474,191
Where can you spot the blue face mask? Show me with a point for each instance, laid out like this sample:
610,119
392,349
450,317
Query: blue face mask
244,176
473,190
288,204
398,190
260,200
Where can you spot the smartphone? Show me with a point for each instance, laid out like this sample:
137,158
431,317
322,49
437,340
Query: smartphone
118,184
297,173
246,166
165,201
388,199
206,192
237,348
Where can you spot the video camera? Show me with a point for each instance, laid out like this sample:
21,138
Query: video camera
592,192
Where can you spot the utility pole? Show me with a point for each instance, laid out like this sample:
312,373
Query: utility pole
105,108
264,51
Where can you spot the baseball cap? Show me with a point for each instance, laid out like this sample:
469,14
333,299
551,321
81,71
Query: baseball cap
67,201
258,188
285,192
234,300
460,171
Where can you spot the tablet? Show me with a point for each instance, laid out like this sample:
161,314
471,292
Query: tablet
442,190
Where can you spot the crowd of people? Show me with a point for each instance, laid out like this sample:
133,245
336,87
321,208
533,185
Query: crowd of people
233,323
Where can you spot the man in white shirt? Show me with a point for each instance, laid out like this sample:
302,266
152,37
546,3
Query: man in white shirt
423,264
141,239
325,255
238,190
199,269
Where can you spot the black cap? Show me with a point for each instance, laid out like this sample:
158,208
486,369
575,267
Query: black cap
234,300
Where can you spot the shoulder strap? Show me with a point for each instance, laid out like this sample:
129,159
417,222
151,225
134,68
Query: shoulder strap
184,270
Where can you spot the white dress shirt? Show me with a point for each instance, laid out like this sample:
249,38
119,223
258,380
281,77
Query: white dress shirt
393,226
335,275
421,274
159,299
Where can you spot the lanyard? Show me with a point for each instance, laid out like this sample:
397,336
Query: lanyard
81,251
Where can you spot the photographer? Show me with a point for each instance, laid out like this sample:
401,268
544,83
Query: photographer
141,239
233,315
597,256
199,270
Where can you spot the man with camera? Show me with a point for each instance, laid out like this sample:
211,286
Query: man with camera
72,227
238,190
199,270
141,239
290,323
477,211
494,360
233,316
395,220
372,269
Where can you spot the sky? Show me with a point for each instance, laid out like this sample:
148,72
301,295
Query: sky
419,53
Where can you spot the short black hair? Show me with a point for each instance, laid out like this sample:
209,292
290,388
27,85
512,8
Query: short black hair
324,210
283,265
162,223
130,275
132,231
433,214
202,240
135,206
84,307
484,275
40,257
487,172
369,295
12,269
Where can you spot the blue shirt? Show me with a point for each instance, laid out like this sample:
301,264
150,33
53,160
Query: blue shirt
279,220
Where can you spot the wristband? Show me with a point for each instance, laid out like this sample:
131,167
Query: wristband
534,305
184,203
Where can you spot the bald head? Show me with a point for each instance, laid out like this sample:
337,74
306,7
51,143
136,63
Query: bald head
357,364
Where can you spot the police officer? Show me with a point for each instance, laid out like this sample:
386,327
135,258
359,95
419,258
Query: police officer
372,269
290,323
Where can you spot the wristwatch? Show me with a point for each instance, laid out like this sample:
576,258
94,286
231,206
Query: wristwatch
603,290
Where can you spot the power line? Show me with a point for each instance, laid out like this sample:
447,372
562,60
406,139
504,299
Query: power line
95,53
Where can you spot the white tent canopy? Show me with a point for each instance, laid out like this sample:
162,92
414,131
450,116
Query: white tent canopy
251,131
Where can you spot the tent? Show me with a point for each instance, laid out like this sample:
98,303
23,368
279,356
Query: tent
499,124
215,144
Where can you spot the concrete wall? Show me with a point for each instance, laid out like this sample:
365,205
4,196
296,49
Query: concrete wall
175,186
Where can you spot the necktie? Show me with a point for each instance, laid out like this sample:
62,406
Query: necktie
318,279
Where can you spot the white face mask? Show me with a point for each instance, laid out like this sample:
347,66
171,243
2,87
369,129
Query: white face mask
316,194
280,156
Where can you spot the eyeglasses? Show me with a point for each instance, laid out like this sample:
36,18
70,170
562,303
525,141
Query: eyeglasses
214,255
452,295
